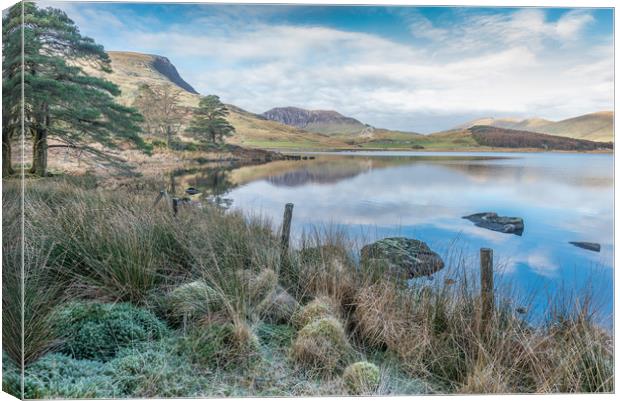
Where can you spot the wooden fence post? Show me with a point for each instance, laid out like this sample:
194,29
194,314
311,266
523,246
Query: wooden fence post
175,206
286,227
486,285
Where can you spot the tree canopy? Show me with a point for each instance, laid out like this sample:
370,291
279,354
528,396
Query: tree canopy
159,105
209,120
60,100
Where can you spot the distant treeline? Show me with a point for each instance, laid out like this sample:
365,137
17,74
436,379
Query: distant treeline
509,138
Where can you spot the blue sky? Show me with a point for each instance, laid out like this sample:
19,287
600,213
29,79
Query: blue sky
408,68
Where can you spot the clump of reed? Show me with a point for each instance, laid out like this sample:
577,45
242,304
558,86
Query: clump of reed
86,242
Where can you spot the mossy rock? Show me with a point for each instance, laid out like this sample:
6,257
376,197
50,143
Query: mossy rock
192,301
322,347
97,331
318,308
362,378
278,307
400,257
222,345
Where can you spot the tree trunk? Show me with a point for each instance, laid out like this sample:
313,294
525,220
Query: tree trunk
39,153
7,167
39,144
169,136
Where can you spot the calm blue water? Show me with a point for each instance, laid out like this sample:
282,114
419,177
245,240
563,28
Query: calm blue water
561,197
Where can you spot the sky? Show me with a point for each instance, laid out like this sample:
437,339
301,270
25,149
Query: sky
421,69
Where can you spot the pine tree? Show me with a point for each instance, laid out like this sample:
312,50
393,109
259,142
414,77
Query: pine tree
61,101
209,120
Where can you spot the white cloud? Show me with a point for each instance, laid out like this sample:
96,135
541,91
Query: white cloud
518,63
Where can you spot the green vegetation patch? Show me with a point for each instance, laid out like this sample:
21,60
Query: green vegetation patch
322,347
97,330
362,378
319,308
221,345
192,301
59,376
156,370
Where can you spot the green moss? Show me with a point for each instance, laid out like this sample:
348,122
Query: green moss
361,378
97,331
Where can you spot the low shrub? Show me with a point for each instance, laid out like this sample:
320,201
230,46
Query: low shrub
97,330
322,347
221,345
261,285
156,370
192,301
323,267
60,376
318,308
362,378
278,307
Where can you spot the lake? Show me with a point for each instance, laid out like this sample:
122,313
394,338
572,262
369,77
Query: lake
562,197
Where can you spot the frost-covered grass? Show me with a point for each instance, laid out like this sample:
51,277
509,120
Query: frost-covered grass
125,300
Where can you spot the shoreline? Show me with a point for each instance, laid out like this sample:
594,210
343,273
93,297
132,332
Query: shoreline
450,150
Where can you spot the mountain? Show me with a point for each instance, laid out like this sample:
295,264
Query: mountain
319,121
130,70
593,126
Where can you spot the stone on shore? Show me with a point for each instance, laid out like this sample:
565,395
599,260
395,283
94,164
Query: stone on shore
402,257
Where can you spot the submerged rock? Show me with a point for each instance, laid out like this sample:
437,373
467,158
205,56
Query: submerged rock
403,257
502,224
590,246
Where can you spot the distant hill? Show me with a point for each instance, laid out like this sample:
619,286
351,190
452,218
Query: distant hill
594,126
320,121
497,137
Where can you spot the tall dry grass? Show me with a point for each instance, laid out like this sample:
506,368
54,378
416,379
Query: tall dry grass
116,245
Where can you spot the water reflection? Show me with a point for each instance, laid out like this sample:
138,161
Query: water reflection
213,182
561,197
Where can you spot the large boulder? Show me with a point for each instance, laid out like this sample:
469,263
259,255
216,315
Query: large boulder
503,224
402,257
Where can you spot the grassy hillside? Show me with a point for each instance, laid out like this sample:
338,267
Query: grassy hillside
593,127
508,138
130,70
